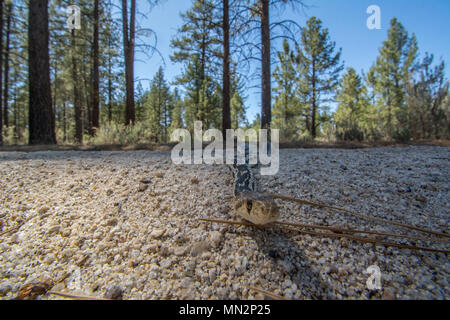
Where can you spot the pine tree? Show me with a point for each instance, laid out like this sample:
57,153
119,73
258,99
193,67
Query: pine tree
141,97
319,67
112,75
96,69
9,10
286,109
352,106
177,112
18,79
159,107
198,48
257,20
425,100
391,73
237,103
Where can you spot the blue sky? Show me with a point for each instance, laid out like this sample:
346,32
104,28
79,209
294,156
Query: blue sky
345,19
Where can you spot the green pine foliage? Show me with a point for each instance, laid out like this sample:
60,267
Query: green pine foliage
403,96
391,74
287,109
353,107
319,71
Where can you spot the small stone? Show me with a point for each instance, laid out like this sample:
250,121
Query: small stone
244,263
111,222
135,254
114,293
333,269
50,259
54,229
286,266
43,210
67,253
342,271
142,187
190,268
287,283
165,264
421,199
66,233
5,288
14,238
388,294
157,233
163,251
199,247
212,275
152,248
180,251
216,238
186,283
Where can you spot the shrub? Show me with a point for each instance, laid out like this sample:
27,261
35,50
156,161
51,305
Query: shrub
402,135
120,134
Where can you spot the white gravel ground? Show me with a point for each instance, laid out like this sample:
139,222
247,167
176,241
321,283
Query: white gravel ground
88,215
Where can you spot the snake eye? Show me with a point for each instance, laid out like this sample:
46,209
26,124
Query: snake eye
249,205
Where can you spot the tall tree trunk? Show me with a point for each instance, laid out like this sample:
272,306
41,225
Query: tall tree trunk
109,100
16,116
314,102
110,88
96,76
55,87
41,116
7,49
16,109
266,112
128,44
1,70
64,122
76,94
226,112
87,80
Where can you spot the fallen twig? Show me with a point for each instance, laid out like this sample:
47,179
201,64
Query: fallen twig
340,230
329,235
75,297
12,229
267,293
398,224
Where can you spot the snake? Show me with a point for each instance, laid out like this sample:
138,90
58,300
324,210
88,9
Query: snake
249,204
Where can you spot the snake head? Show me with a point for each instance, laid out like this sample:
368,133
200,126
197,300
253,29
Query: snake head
257,208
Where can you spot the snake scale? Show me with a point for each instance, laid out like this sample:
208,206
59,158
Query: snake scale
249,204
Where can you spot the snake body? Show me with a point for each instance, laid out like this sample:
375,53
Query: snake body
249,204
